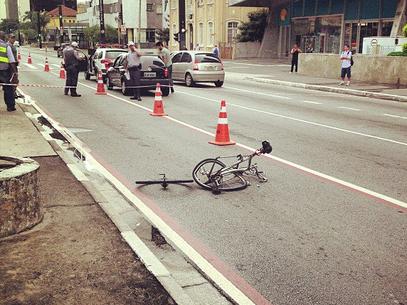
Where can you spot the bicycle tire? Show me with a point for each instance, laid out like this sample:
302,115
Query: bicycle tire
166,181
226,182
149,182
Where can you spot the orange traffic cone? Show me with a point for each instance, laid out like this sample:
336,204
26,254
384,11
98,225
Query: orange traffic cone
29,60
100,89
19,56
222,131
62,72
158,102
46,67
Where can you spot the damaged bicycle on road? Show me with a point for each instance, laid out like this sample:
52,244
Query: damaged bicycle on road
214,175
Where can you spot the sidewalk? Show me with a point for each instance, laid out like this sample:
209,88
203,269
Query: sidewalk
76,255
279,75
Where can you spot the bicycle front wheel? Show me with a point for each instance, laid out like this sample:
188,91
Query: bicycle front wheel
208,174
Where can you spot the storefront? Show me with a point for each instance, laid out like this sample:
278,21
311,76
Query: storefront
326,25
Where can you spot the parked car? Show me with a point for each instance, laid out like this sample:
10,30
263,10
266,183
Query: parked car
61,48
197,67
153,71
101,60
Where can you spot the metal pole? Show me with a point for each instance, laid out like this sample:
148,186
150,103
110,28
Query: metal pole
39,29
139,24
61,25
102,22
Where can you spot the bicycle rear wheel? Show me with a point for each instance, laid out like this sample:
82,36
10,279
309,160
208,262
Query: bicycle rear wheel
208,175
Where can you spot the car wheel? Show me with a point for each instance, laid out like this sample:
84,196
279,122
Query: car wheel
165,91
219,83
189,80
87,76
125,91
109,84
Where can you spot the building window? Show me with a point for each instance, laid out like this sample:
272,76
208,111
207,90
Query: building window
159,9
200,2
200,34
149,7
232,31
211,35
173,4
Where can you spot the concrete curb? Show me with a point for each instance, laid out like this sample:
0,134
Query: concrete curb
355,92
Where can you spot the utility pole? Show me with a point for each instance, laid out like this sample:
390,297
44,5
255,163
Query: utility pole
61,25
139,24
39,29
102,22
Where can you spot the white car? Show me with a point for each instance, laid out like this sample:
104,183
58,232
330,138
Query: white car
101,61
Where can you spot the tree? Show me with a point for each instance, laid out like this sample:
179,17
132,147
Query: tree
92,34
9,25
31,18
253,30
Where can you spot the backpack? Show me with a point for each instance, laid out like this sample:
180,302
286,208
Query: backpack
351,59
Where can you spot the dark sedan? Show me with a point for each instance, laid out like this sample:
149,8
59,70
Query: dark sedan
153,71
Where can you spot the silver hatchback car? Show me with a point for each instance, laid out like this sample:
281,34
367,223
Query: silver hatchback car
197,67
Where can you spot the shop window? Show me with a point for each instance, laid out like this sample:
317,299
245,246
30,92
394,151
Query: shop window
337,7
323,7
149,7
389,8
386,28
352,10
173,4
370,9
309,9
298,8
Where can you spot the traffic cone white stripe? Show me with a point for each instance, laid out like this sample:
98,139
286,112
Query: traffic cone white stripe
223,121
158,98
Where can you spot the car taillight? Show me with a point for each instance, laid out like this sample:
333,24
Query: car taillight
222,67
165,72
196,66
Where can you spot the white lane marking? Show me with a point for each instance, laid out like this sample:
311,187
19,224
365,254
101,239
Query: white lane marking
395,116
349,108
56,65
292,164
312,102
77,173
300,120
259,93
30,66
256,65
41,65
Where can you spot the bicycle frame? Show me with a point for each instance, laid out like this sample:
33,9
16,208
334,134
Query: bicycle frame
234,168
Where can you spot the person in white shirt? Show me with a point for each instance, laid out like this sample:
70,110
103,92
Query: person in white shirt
346,64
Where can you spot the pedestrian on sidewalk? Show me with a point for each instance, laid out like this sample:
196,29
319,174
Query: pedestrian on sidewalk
216,51
71,64
165,56
11,41
132,64
8,72
294,59
346,65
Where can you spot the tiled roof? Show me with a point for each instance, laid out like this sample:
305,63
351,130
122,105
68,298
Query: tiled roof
66,12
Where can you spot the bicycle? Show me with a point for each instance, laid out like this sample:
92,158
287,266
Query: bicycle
164,182
213,174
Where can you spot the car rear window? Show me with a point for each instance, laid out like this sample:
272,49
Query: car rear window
152,61
113,54
208,57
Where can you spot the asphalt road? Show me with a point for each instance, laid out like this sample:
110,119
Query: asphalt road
302,238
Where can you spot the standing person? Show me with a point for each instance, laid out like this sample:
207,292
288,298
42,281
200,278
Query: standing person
11,41
346,64
165,56
215,51
197,47
71,63
133,65
294,60
8,72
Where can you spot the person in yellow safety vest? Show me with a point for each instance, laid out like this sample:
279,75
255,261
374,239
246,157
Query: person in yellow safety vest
8,72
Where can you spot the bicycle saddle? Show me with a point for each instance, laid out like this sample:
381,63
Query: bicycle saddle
266,149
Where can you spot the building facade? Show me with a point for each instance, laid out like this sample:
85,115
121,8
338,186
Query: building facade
14,9
137,20
324,26
207,23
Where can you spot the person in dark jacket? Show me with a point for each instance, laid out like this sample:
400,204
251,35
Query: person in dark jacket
294,60
71,63
8,72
